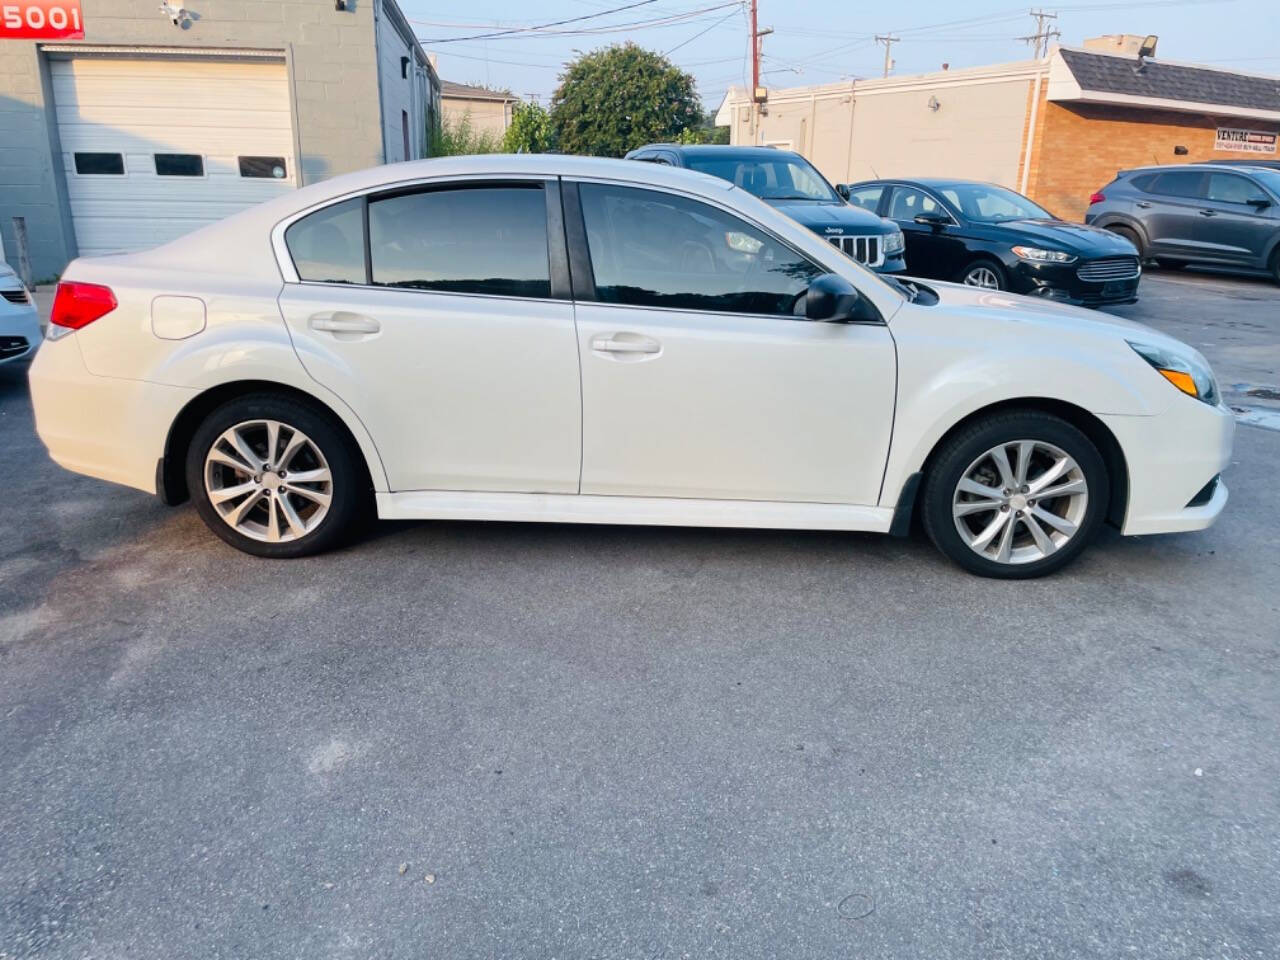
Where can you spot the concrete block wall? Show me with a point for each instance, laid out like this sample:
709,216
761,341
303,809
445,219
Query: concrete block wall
332,59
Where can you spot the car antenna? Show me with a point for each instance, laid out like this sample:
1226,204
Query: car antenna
874,173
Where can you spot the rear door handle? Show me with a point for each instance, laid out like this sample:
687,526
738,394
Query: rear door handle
1142,205
1208,213
343,321
625,343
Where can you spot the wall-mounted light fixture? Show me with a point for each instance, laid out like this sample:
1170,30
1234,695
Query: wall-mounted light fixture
339,5
933,104
1180,151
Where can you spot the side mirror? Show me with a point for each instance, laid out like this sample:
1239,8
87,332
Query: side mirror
931,219
833,299
843,190
1258,203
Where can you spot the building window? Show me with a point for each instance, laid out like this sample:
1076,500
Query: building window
179,165
404,68
100,164
263,168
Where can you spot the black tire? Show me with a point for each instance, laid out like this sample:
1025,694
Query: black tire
1275,265
1002,278
1132,236
349,489
959,451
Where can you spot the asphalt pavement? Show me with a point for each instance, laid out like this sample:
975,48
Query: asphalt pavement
526,741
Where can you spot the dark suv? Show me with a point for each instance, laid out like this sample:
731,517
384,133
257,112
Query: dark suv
791,184
1220,214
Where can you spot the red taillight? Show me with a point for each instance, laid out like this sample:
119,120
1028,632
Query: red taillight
1097,198
77,305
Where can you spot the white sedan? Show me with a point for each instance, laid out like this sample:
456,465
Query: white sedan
593,341
19,321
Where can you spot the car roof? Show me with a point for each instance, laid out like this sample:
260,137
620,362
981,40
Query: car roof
719,150
1198,167
930,183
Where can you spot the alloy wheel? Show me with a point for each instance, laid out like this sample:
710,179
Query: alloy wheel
982,276
268,481
1020,502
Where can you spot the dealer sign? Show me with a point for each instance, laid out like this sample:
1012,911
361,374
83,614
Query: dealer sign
1246,141
41,20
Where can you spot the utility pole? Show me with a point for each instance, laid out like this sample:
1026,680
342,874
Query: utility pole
1040,39
888,40
758,94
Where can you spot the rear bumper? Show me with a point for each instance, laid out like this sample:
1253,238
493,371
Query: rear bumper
1172,457
104,427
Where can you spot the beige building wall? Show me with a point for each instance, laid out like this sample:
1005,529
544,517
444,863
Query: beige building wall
889,128
487,116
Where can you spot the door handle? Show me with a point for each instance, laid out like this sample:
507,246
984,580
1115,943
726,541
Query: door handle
1208,213
343,321
1142,205
629,343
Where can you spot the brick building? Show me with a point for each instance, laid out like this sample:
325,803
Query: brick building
150,120
1055,129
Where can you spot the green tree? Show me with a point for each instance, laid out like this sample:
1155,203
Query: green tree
530,130
455,136
619,98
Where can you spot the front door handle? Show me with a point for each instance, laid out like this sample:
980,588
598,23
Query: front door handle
1142,205
1208,213
625,343
343,321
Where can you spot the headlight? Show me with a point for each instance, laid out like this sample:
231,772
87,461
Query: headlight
1186,373
894,243
1040,255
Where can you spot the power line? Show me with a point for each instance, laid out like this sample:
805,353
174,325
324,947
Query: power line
1040,39
700,33
888,40
543,26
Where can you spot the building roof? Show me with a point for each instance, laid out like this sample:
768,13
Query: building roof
465,91
1110,74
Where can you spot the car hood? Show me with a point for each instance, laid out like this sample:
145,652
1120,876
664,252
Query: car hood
1073,237
988,305
831,219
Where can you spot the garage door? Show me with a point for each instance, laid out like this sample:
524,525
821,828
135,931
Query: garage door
156,148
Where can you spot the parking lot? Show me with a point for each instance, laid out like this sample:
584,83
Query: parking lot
523,741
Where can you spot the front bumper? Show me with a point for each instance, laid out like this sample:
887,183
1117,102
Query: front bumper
893,264
20,333
1059,282
1172,458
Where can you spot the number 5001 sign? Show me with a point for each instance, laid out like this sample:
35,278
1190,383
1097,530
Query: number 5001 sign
41,20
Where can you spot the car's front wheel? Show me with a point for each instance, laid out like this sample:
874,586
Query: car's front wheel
1015,495
986,274
274,477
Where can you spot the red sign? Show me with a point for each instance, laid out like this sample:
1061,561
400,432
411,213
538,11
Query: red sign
41,20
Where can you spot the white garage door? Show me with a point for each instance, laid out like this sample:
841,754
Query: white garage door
156,148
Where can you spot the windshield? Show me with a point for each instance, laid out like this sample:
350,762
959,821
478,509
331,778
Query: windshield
784,178
987,203
1269,178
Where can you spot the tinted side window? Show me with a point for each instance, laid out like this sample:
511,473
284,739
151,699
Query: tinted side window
868,198
655,249
1229,188
328,245
908,203
1180,184
475,239
1143,182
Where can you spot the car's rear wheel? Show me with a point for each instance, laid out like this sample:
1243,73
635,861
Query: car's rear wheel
1275,265
1132,236
986,274
1015,495
275,477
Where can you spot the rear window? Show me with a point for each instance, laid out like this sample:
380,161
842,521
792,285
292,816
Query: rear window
328,246
1182,183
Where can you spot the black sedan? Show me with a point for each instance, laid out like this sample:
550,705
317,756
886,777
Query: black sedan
988,236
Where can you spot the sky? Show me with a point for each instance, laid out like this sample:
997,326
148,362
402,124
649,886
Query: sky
818,41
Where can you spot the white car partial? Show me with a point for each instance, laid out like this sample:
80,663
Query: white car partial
579,340
20,332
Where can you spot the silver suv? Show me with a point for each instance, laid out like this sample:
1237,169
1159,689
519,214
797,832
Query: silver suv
1221,214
